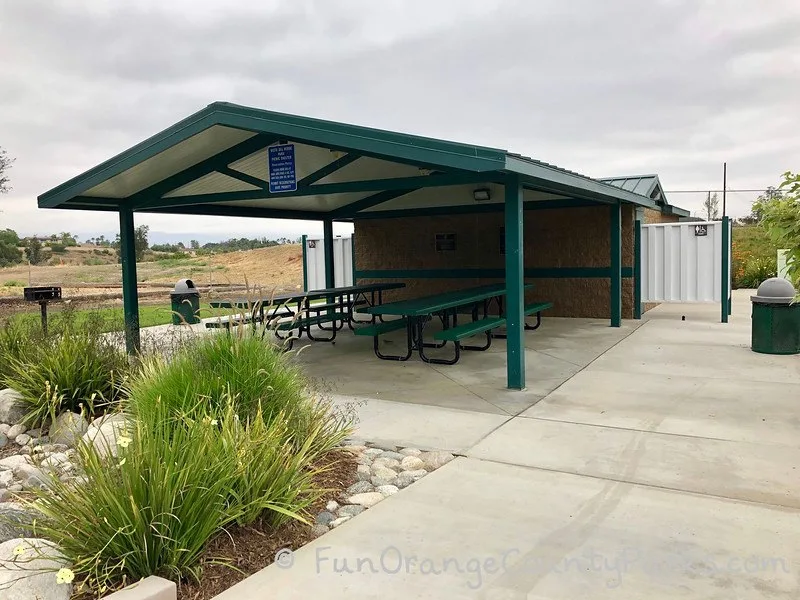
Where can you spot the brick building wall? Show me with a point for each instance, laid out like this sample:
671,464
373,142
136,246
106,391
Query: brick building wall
556,239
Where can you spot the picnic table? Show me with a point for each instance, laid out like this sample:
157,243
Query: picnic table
415,313
300,311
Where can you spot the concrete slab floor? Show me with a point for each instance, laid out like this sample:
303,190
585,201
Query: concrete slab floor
661,462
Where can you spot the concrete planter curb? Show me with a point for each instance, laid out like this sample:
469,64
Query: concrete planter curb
151,588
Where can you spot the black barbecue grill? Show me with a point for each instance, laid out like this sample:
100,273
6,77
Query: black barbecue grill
43,295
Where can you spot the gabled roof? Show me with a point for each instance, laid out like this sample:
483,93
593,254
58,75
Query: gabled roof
215,162
646,185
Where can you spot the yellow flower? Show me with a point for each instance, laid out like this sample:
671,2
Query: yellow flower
64,576
123,441
19,550
122,462
214,422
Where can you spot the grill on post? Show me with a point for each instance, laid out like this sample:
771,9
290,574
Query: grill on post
43,295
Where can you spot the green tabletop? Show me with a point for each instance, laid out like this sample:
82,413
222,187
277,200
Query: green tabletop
300,296
427,305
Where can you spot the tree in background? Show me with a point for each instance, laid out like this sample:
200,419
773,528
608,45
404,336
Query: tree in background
5,165
780,217
754,218
139,241
711,206
33,251
9,251
194,244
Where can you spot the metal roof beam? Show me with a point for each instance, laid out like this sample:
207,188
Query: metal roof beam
205,167
328,169
352,209
320,189
238,211
244,177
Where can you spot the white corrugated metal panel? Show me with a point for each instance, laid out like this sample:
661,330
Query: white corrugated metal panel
680,266
342,261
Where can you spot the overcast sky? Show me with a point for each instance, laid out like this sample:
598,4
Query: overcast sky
610,87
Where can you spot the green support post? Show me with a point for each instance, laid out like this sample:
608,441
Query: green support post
725,300
353,255
637,268
330,279
130,291
616,265
304,241
515,280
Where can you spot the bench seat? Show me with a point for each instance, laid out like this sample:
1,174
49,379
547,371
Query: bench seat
455,334
382,328
306,322
538,307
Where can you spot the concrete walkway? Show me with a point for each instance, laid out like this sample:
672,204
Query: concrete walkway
664,464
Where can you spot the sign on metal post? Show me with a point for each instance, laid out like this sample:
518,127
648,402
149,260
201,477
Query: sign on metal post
282,172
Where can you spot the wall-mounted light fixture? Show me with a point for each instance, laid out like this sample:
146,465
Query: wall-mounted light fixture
482,194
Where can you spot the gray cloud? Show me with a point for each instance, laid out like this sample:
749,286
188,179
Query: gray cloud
674,87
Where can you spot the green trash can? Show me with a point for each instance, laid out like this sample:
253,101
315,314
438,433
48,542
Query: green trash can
776,318
185,303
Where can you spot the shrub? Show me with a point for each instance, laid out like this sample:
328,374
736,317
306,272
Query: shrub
14,283
257,374
67,371
177,484
58,248
754,271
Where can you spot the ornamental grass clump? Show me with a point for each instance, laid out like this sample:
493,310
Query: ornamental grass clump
74,370
259,376
176,482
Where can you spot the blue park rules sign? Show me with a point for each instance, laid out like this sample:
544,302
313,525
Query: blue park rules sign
282,172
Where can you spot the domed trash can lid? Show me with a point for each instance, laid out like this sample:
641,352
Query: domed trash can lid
184,286
775,290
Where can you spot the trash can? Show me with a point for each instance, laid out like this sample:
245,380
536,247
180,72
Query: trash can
776,318
185,303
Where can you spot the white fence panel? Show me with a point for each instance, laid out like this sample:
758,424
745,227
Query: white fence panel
679,264
314,265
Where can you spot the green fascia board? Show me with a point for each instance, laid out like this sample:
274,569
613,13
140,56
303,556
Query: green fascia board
469,209
328,169
372,185
545,177
183,130
668,209
237,211
378,142
472,273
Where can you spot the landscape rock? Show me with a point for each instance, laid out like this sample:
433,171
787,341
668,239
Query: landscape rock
68,428
16,430
392,455
57,461
378,482
13,461
4,427
373,452
31,575
318,530
354,449
26,450
39,441
383,472
406,478
15,522
5,495
387,490
17,487
434,460
3,440
32,477
325,518
360,487
22,439
412,463
364,460
363,472
34,433
410,452
6,478
366,500
339,521
332,506
103,433
389,463
351,510
12,408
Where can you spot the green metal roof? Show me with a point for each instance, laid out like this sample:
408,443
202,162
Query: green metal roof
214,162
646,185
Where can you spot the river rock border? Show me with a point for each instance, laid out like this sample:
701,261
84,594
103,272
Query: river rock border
382,472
